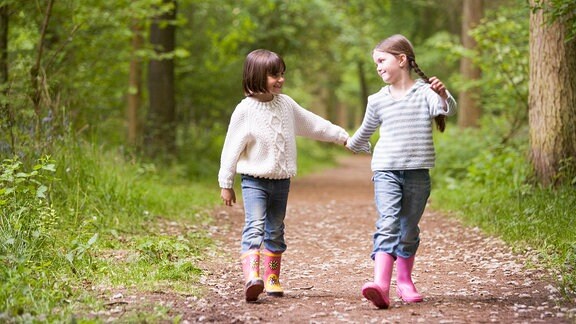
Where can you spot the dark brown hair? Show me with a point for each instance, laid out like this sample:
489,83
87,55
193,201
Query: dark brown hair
259,64
398,44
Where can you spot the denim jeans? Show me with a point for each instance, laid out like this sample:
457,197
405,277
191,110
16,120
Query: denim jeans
265,202
400,198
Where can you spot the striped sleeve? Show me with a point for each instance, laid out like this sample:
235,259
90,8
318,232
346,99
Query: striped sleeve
360,141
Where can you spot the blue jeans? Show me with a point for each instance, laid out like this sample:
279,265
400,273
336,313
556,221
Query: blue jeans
400,198
265,202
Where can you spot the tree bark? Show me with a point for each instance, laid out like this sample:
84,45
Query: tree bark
6,116
135,86
469,99
161,133
551,100
4,46
363,90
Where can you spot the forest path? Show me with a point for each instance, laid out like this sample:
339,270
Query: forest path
465,276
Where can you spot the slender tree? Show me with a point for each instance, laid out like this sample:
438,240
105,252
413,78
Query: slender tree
552,96
363,85
7,118
468,100
161,128
135,84
36,73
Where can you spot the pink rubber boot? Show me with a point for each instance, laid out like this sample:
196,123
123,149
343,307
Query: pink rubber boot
272,263
251,268
404,285
378,291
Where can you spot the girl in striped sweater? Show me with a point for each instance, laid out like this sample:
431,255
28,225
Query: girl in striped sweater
404,110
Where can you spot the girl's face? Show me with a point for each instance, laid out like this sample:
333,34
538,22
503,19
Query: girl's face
274,83
389,66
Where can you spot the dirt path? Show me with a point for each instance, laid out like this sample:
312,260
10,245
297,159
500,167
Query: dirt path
465,276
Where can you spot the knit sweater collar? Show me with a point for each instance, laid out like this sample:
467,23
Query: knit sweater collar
263,104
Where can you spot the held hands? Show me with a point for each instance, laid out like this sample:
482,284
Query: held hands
364,148
228,196
438,87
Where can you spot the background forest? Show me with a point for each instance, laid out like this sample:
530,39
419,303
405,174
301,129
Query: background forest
113,115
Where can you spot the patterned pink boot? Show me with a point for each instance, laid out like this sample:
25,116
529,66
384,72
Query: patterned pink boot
378,292
272,263
251,268
404,285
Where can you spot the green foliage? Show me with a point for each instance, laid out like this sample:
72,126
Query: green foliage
86,56
452,162
562,11
497,165
100,187
201,148
488,185
436,60
58,235
501,53
504,39
26,193
28,228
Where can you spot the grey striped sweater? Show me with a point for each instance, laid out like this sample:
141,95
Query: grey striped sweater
405,141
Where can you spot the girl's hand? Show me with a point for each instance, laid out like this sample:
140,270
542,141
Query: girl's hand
228,196
438,87
364,148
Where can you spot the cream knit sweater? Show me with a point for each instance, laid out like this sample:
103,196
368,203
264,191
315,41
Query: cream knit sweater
261,138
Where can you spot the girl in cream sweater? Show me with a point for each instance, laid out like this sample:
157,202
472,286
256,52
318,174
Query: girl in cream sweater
260,145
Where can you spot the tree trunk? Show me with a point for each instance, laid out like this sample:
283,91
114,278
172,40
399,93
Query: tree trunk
135,85
6,117
161,133
4,47
363,90
331,101
468,100
551,100
36,77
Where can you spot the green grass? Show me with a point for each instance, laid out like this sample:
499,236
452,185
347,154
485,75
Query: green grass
90,217
103,221
489,186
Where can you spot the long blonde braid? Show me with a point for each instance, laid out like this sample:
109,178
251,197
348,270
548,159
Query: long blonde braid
440,119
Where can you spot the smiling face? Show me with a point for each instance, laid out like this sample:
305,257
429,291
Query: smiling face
263,73
274,83
388,66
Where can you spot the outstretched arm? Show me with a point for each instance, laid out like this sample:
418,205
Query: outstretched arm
310,125
360,141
